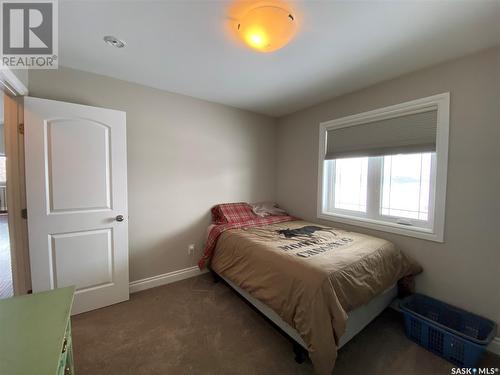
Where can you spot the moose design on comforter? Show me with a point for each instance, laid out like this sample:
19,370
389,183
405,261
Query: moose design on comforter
303,238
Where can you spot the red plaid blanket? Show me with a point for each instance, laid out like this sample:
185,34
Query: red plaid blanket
232,216
232,213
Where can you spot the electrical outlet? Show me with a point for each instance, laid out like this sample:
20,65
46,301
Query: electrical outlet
191,249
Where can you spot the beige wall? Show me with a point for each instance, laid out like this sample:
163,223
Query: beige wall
22,75
465,270
184,155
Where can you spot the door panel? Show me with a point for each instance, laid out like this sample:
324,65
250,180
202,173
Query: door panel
79,182
76,179
91,251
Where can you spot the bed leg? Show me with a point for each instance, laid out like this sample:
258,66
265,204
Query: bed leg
215,277
300,353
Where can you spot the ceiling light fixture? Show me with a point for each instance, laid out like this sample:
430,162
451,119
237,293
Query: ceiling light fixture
115,42
267,28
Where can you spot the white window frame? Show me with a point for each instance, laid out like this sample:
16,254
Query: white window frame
434,232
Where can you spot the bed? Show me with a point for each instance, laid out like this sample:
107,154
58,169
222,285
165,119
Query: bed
356,320
320,285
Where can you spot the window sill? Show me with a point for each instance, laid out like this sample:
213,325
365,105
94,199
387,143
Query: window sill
422,233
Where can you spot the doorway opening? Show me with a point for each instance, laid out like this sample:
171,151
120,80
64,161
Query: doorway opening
6,287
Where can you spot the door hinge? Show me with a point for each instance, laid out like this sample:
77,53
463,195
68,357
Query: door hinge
24,213
21,128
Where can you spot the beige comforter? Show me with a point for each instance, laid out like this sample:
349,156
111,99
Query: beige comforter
311,276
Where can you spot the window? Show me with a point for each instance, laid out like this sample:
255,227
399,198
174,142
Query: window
386,169
350,184
400,187
406,183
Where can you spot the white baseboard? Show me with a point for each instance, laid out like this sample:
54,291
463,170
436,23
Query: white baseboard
166,278
494,347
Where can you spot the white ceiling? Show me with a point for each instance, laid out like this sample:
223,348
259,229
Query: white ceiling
184,46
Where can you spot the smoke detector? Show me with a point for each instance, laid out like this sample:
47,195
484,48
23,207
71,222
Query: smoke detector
114,41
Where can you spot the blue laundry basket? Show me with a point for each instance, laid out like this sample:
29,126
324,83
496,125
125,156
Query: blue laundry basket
452,333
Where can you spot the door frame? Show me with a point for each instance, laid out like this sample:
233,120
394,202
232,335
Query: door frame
13,90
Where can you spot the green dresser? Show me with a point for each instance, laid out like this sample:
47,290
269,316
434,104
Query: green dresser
35,334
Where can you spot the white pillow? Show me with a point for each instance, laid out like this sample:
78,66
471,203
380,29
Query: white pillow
264,209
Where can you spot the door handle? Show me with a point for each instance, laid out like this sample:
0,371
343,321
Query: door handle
119,218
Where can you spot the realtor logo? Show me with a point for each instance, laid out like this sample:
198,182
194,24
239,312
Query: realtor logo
29,34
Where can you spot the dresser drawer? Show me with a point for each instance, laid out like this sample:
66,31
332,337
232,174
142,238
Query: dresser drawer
66,359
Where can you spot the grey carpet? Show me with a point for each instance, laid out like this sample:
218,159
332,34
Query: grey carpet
198,327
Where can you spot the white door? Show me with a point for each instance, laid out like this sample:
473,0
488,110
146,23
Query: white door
76,187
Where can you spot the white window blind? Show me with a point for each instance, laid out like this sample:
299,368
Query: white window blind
407,134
